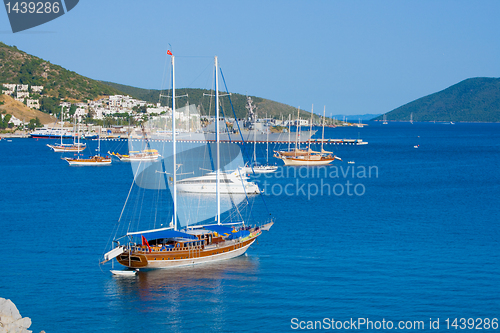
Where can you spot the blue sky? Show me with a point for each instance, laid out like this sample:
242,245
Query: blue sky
354,57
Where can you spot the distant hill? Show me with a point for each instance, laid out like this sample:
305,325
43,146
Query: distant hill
196,96
471,100
18,67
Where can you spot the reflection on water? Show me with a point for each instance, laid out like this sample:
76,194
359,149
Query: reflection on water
203,288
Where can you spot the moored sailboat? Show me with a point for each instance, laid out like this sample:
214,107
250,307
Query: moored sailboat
183,241
91,160
66,147
310,157
135,156
254,166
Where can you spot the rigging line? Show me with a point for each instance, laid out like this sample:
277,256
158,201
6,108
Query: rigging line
245,152
225,123
181,56
201,73
244,142
163,79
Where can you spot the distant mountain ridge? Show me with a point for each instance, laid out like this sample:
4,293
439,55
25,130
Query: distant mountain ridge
355,117
471,100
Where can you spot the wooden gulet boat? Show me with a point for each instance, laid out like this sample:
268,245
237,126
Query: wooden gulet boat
194,247
295,151
170,247
309,157
137,156
95,160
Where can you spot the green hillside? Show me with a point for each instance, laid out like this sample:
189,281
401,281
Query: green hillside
18,67
471,100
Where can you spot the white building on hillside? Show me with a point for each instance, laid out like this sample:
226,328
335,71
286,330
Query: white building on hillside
22,94
22,87
80,113
36,89
33,103
10,86
65,104
13,120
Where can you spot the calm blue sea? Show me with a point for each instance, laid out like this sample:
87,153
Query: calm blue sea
411,235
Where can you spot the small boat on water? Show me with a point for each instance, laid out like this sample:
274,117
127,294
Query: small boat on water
257,168
254,167
124,272
137,156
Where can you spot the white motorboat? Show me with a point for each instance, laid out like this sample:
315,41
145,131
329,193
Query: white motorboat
229,183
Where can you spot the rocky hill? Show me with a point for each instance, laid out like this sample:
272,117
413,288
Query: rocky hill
22,112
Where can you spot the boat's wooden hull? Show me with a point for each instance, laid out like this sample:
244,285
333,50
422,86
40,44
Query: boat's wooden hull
136,158
292,153
96,160
307,162
178,258
59,149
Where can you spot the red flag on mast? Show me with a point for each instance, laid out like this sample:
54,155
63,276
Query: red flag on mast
145,242
169,53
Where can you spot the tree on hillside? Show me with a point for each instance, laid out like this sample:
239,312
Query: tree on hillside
72,109
49,105
34,123
4,122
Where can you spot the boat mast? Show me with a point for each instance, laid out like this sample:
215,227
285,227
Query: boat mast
297,132
289,129
174,217
99,143
217,135
323,135
310,128
62,115
267,140
254,137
